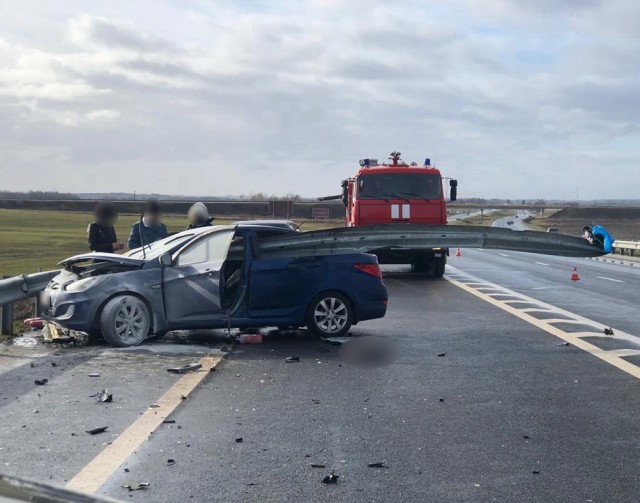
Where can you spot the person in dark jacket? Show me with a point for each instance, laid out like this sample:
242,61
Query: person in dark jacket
198,216
149,228
102,235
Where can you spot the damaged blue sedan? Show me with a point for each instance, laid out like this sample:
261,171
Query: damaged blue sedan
213,277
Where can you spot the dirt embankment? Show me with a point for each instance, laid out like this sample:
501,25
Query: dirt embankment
622,223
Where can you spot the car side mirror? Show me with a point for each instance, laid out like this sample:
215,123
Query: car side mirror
454,190
165,260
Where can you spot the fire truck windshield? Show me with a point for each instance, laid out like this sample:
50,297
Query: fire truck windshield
402,185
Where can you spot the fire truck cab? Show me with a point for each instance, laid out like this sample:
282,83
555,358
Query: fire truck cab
399,193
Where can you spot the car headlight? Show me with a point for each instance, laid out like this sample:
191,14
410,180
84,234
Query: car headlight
84,284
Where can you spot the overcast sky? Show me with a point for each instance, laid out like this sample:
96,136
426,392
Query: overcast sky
515,98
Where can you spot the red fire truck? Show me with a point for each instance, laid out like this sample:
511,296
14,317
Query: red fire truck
397,193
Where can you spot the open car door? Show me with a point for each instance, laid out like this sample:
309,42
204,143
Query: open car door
192,284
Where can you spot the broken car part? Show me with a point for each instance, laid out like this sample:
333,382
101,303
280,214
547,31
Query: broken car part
187,368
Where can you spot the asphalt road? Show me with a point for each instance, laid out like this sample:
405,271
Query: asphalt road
507,414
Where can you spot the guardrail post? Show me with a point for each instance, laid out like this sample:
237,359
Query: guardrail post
6,318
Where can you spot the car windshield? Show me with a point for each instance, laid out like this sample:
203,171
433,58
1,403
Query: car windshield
403,185
154,250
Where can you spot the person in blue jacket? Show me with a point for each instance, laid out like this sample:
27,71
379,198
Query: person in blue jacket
599,234
149,228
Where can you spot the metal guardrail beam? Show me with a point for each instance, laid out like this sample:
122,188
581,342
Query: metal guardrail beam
24,286
626,245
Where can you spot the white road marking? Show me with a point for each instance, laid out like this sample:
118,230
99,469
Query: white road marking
611,279
542,263
503,254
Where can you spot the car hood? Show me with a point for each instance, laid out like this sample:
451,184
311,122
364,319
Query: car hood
102,257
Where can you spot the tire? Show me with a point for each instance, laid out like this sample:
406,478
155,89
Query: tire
125,321
330,314
439,266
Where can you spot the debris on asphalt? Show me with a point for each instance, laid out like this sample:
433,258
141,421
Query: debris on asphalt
96,431
250,339
379,464
104,396
34,323
53,364
526,437
169,421
291,359
136,487
187,368
94,374
126,470
336,341
316,465
239,440
154,406
171,462
608,331
315,401
441,399
564,344
41,382
536,472
332,478
442,354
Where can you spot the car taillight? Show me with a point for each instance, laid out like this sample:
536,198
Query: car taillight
373,269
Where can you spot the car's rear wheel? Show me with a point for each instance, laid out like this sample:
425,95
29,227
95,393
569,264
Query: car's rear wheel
330,314
125,321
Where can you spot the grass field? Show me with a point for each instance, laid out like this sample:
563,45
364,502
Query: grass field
40,239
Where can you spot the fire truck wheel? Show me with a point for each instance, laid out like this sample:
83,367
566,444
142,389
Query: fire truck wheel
439,266
330,314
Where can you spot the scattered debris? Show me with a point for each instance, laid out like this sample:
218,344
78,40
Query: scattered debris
136,487
94,374
126,470
34,323
53,364
367,351
187,368
250,339
316,465
332,478
336,341
104,396
536,472
239,440
171,462
41,382
291,359
96,431
183,397
154,406
442,354
441,399
608,331
564,344
380,464
169,421
315,401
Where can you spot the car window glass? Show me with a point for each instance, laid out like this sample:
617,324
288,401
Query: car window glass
210,249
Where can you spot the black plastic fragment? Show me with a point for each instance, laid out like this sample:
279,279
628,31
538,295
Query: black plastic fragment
331,478
291,359
41,382
96,431
171,462
136,487
318,465
379,464
187,368
239,440
442,354
608,331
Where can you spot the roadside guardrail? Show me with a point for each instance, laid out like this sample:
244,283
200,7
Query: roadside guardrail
621,246
19,288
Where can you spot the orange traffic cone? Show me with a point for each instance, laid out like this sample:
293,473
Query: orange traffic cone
574,276
458,254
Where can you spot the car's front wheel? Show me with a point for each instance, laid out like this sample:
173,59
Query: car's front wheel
330,314
125,321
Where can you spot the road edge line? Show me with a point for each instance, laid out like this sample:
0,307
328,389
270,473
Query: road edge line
102,467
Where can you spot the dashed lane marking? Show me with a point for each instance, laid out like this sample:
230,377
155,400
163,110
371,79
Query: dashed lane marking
503,254
507,300
611,279
542,263
98,471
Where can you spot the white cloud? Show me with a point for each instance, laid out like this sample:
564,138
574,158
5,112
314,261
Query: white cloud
227,99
